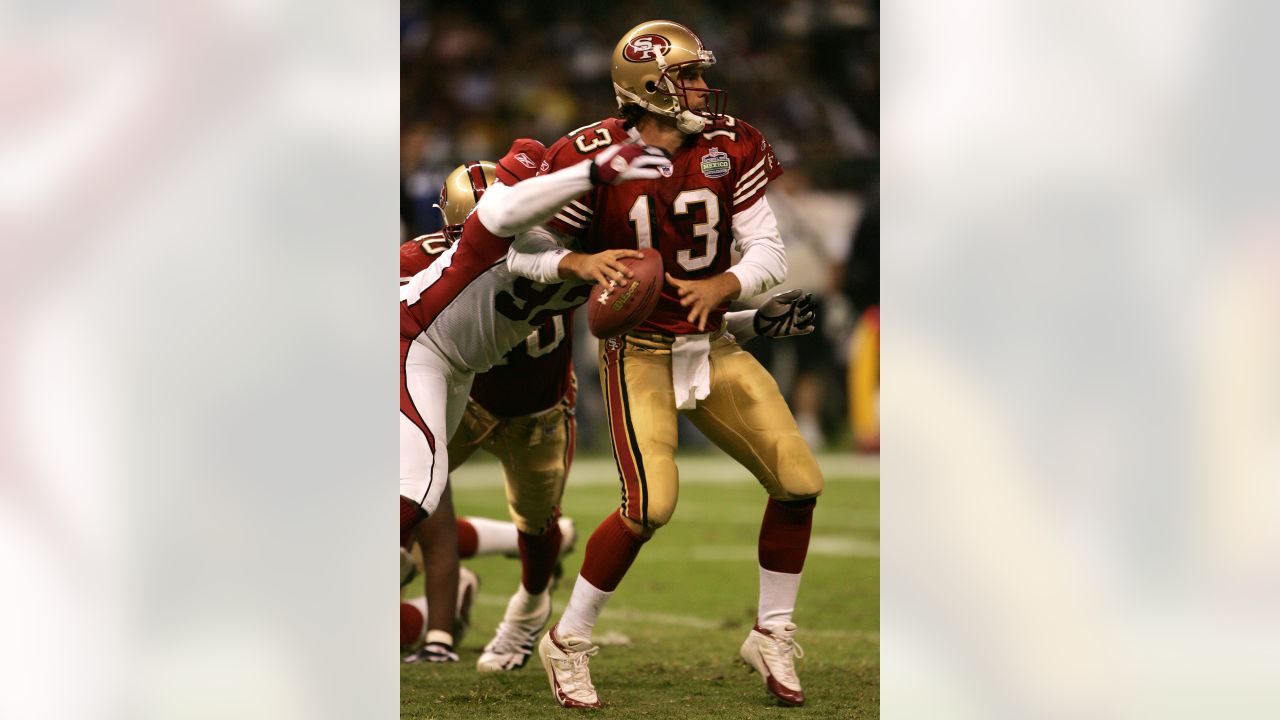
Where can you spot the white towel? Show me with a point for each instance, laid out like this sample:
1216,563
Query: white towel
691,369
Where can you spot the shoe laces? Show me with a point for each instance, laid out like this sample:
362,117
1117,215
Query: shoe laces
787,650
519,633
514,636
579,676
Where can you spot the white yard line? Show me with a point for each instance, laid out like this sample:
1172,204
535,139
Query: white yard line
482,471
693,622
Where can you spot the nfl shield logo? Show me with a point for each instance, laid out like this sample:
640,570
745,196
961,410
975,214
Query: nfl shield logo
715,163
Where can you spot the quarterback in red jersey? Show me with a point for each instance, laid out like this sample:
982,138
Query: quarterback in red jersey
681,360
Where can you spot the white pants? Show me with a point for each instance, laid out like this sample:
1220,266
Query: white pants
433,397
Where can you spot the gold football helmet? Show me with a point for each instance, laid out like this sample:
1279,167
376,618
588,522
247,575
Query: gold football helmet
462,190
646,72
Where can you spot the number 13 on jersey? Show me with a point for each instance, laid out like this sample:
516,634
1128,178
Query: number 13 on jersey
693,258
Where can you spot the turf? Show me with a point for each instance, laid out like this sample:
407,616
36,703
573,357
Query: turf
670,635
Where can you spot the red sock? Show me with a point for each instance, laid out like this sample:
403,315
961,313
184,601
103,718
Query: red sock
468,539
538,555
610,552
784,535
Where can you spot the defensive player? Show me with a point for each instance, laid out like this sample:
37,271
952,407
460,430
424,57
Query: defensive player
681,359
464,313
522,410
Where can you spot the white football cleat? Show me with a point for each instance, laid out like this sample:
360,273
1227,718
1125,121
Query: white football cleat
772,652
565,660
513,643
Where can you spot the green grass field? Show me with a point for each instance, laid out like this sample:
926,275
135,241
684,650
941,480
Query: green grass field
670,634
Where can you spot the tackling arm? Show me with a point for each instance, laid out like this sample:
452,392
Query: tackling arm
786,314
540,255
506,211
509,210
536,254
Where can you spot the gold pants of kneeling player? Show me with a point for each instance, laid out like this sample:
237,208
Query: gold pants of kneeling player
536,452
744,414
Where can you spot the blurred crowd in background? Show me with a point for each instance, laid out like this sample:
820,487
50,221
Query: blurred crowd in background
806,73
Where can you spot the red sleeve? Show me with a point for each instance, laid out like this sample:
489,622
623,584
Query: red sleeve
417,254
758,168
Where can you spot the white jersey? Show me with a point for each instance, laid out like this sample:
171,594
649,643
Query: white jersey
489,310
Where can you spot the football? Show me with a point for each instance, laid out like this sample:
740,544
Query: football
613,311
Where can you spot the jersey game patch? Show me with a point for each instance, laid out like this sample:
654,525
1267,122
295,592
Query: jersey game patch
715,164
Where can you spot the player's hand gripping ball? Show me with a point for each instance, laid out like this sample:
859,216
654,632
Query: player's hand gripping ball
613,310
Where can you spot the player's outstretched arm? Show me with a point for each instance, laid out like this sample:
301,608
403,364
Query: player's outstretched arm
786,314
540,255
509,210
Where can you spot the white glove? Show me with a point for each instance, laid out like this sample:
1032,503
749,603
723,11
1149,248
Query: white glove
629,161
786,315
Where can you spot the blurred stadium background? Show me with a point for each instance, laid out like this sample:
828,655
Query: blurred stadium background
475,76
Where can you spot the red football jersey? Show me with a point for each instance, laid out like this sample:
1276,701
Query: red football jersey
687,217
418,254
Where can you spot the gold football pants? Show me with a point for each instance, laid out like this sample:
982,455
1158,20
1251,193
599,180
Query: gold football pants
745,415
535,450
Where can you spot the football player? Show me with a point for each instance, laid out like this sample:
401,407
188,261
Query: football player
522,410
681,360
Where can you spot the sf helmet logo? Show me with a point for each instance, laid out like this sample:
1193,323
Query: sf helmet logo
646,48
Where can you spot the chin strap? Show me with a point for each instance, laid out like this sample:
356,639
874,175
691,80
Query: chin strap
689,123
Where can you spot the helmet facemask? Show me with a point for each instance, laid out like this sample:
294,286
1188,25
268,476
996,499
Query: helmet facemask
689,120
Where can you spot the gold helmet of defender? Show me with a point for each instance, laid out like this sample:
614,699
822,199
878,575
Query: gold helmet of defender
461,191
646,72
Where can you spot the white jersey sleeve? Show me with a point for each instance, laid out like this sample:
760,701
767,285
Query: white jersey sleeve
509,210
536,254
764,259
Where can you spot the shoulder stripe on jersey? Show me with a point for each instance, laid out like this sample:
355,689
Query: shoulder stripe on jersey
746,177
726,133
567,221
750,189
574,213
747,188
739,200
579,206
